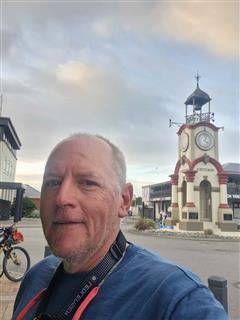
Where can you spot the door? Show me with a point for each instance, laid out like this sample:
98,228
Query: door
205,200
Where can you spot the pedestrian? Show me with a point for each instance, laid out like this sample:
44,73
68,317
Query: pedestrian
95,273
164,217
160,217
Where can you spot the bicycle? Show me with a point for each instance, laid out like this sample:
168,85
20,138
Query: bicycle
15,259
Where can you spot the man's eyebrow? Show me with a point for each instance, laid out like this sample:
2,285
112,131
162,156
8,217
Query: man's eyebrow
79,175
87,175
50,175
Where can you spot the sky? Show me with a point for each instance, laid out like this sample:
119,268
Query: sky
121,69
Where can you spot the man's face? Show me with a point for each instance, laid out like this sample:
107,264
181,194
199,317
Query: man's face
81,203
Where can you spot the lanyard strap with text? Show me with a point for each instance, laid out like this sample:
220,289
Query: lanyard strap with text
91,281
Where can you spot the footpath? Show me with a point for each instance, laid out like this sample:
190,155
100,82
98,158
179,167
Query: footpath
8,289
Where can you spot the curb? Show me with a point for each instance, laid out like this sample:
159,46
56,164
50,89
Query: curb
183,237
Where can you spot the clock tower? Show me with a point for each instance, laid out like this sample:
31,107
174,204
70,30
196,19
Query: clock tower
199,182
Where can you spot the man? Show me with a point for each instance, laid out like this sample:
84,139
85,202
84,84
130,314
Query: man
98,275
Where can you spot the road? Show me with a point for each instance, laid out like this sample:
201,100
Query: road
205,258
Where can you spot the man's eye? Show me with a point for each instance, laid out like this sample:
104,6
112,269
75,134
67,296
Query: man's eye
88,183
52,183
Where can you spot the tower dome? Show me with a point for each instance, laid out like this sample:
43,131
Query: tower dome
198,98
196,101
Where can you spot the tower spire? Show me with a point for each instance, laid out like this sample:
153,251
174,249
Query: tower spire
197,77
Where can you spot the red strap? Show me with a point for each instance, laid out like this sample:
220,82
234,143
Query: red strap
30,304
92,294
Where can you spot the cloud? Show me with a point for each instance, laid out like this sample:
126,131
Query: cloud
103,28
210,25
213,26
30,168
84,97
33,180
77,73
30,172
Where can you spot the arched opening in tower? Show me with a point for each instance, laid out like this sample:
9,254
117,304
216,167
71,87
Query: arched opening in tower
205,200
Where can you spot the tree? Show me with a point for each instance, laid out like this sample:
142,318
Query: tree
27,209
137,201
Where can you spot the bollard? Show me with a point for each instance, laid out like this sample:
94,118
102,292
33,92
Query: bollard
47,251
218,286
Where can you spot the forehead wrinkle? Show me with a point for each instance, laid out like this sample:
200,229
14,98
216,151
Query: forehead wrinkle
55,160
89,144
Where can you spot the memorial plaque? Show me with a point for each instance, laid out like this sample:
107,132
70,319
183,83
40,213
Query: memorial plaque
193,215
227,216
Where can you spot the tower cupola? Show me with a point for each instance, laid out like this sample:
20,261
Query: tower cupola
195,105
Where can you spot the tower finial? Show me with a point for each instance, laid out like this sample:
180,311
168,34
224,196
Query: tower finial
197,77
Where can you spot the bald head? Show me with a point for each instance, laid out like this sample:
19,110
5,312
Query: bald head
103,145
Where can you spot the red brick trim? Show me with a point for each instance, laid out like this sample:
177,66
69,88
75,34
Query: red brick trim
174,205
223,177
178,165
216,164
223,206
174,179
190,174
189,205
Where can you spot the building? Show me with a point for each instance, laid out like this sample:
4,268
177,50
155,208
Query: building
33,194
233,189
9,144
204,194
158,197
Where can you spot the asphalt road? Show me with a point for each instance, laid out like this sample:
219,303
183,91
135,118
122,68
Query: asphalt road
205,258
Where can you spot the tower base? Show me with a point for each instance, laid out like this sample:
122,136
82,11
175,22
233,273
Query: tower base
173,216
191,225
225,217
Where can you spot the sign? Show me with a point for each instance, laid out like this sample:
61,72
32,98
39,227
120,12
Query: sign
205,169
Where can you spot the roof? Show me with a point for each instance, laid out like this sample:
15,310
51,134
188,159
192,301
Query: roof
11,185
157,184
198,98
233,168
10,132
31,192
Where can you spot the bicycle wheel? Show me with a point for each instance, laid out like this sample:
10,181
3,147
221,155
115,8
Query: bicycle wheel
16,263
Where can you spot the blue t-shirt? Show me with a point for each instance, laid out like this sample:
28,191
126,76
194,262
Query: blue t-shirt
142,287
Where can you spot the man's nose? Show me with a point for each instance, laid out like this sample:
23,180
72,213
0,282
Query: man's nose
66,194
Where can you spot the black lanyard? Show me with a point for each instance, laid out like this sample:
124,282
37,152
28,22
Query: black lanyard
92,279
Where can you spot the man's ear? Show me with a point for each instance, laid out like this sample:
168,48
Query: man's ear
126,202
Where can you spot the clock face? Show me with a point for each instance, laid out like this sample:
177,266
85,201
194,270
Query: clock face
204,140
184,141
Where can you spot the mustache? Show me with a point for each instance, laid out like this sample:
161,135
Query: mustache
63,215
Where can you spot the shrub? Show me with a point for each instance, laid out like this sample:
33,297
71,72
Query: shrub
27,207
144,224
33,214
208,232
